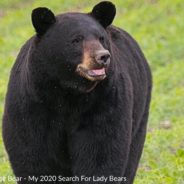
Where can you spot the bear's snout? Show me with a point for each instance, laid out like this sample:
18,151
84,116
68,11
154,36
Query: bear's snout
102,57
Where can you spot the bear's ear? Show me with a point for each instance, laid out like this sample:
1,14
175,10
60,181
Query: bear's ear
42,19
104,12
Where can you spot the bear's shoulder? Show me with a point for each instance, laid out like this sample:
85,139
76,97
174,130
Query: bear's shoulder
114,32
117,33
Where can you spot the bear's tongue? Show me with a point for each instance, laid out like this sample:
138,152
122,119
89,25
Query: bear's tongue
97,72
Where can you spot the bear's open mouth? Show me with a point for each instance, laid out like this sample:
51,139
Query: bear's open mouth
92,74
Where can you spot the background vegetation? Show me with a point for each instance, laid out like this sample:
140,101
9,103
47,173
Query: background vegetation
158,26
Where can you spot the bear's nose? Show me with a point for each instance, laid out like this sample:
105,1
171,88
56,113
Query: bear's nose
103,57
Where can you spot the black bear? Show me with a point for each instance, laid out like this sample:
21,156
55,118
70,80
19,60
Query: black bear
78,100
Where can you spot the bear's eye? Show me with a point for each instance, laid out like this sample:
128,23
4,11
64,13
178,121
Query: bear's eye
101,38
78,39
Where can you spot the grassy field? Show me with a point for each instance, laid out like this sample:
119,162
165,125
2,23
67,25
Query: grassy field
158,26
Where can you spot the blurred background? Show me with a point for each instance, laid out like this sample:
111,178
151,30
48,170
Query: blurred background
158,26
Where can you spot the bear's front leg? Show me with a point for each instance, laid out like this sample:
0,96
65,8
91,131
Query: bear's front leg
35,148
98,154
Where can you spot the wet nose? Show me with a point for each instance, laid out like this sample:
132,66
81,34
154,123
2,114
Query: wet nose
103,57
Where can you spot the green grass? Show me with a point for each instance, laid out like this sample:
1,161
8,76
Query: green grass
158,26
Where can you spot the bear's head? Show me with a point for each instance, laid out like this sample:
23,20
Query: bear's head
74,48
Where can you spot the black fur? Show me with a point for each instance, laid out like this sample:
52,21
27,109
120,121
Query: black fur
104,12
52,127
42,19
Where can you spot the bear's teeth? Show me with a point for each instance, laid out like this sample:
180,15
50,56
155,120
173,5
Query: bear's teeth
97,72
